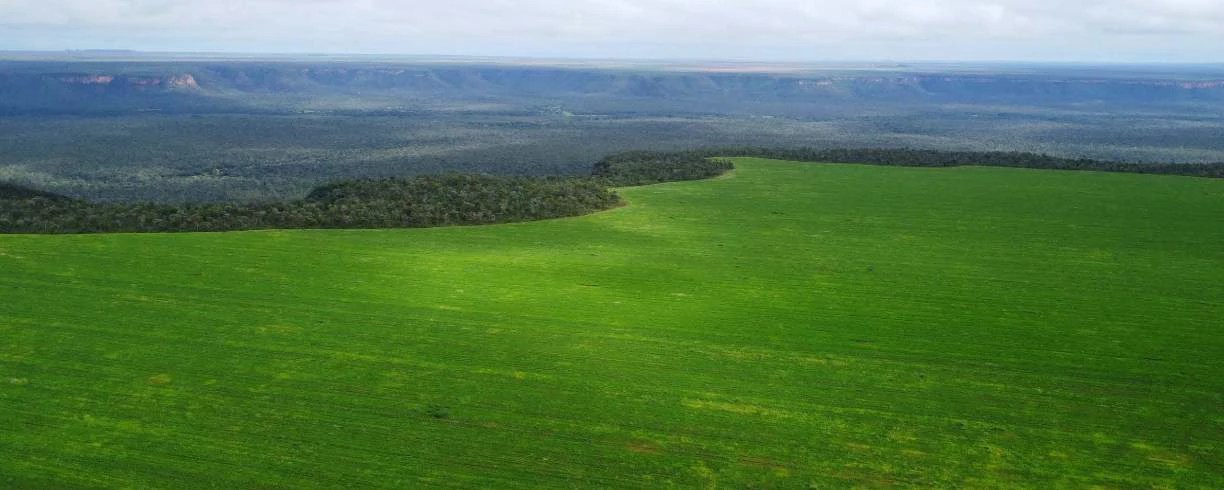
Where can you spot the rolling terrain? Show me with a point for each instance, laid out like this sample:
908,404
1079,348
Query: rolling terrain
787,325
131,127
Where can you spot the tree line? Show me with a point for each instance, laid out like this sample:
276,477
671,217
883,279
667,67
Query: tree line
384,203
645,167
465,199
936,158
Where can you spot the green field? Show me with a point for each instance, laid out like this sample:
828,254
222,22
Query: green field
789,325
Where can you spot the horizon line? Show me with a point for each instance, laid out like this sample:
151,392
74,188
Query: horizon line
101,55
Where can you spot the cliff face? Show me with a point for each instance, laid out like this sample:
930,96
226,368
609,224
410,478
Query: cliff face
544,81
194,87
87,79
169,82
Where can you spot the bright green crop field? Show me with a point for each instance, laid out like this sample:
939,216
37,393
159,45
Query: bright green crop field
786,326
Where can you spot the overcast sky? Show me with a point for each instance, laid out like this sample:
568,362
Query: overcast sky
801,30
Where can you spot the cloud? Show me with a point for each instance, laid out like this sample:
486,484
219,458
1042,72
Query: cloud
799,29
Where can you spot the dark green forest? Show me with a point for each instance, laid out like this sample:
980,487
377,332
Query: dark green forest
17,192
936,158
647,167
384,203
466,199
405,202
229,158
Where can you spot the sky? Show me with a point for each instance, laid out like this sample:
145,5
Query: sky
767,30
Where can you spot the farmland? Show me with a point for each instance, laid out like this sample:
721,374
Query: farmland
787,325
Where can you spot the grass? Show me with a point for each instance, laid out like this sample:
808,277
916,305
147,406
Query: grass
793,325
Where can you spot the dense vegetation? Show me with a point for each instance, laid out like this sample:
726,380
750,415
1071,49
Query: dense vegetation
386,203
645,167
937,158
13,191
408,202
794,326
467,199
224,158
135,131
